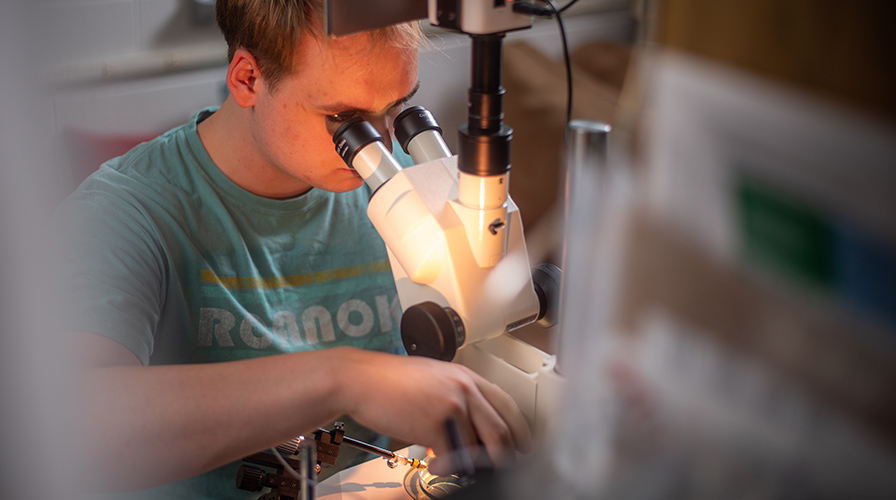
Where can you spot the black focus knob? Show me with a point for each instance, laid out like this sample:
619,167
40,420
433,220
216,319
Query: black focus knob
433,331
250,478
546,280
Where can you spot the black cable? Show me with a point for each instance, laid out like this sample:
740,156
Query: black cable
535,10
565,56
570,4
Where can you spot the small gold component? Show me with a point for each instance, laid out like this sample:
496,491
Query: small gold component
397,460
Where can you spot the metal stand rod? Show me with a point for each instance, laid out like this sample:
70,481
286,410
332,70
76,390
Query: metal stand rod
587,144
587,151
308,470
361,445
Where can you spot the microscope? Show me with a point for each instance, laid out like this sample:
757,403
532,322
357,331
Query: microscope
453,234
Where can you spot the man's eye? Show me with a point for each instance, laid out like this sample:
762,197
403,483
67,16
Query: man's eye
340,117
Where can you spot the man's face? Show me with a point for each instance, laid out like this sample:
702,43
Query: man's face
335,80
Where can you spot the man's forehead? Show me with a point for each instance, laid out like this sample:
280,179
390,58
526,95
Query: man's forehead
343,105
349,49
335,69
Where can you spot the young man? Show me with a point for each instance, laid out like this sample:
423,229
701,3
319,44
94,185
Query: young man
226,289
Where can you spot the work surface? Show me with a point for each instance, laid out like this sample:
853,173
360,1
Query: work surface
374,480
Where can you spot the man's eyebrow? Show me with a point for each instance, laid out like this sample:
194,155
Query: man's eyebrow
408,97
339,107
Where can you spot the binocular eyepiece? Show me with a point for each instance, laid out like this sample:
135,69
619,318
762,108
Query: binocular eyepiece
363,149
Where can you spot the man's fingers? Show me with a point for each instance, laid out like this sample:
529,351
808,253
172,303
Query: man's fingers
461,433
493,432
495,423
491,426
440,466
450,462
508,413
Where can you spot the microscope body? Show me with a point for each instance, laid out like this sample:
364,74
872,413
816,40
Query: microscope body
433,251
459,263
462,272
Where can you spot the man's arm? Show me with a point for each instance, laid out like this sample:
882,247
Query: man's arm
151,425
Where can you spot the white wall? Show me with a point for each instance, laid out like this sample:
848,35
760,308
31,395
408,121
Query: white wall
76,31
102,53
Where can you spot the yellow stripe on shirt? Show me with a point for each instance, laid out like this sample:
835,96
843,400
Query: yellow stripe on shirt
255,282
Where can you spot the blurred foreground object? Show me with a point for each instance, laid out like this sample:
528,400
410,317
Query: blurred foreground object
729,328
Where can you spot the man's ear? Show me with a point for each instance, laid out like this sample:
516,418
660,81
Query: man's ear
243,78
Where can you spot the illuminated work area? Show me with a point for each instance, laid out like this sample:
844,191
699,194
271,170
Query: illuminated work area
466,249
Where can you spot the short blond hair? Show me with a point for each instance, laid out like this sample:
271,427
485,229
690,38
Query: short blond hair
271,31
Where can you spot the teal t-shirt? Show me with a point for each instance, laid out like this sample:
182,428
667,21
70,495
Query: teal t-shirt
167,256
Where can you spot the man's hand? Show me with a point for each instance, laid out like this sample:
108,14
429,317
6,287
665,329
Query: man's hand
411,397
149,425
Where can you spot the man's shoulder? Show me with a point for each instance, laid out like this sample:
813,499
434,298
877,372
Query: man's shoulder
154,177
174,146
171,148
164,163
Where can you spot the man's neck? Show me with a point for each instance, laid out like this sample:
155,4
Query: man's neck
228,139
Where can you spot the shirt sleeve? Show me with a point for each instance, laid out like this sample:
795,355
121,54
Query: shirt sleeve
112,270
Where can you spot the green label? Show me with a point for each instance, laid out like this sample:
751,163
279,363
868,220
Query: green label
785,235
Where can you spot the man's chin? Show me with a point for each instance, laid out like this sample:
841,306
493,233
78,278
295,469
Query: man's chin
346,185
